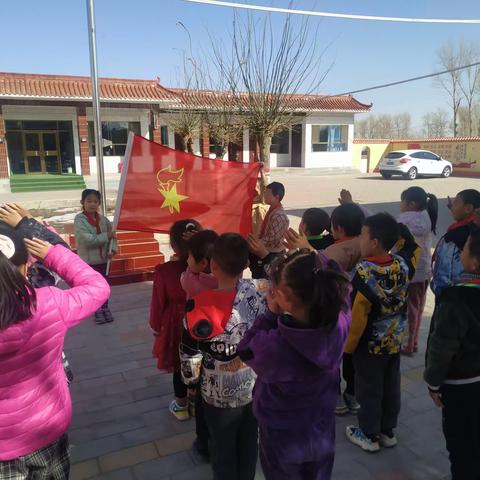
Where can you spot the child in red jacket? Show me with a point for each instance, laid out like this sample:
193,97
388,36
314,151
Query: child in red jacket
167,311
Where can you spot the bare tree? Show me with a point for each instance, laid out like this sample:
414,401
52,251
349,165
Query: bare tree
449,58
266,70
384,126
436,124
470,80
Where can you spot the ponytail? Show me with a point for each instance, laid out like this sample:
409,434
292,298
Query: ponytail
318,286
423,201
329,298
17,297
432,210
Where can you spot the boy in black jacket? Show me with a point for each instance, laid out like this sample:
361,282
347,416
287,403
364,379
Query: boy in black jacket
453,364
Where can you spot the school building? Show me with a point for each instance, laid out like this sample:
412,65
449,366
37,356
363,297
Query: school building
47,137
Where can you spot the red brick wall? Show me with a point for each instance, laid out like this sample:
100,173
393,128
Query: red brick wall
83,133
3,149
205,142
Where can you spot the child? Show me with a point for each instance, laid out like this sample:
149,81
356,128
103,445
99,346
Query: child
167,311
453,364
296,356
33,326
94,236
347,221
380,288
218,320
419,213
315,225
195,280
447,267
274,226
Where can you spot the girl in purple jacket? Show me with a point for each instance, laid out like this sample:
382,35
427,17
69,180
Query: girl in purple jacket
296,356
35,402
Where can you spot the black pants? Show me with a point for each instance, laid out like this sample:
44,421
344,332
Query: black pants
377,389
461,427
201,427
179,387
348,373
234,442
102,269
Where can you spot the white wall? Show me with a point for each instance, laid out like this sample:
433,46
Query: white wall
119,115
27,112
327,159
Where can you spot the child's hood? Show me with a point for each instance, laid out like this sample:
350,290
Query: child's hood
322,348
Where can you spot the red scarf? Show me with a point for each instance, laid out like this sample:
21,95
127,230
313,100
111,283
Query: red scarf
461,223
94,220
267,218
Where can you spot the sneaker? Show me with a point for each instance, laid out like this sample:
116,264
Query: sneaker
357,437
351,403
108,315
100,317
180,413
341,408
388,439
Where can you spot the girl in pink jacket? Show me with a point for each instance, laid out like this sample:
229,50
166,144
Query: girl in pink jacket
35,404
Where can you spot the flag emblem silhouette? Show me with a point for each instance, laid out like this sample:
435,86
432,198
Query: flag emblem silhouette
168,180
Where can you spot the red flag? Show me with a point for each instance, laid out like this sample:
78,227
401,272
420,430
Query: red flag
160,185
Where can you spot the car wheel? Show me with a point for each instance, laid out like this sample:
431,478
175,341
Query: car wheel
387,176
411,174
447,171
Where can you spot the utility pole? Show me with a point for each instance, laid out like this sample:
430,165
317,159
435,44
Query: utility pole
96,103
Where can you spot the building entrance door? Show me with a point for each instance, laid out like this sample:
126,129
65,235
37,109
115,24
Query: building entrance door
42,152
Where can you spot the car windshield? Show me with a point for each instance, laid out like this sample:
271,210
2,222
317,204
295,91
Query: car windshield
394,155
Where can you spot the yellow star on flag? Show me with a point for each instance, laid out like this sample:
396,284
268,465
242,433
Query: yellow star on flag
172,198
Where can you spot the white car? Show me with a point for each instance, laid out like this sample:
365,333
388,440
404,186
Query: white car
412,163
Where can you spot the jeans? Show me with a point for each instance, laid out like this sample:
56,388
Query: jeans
233,440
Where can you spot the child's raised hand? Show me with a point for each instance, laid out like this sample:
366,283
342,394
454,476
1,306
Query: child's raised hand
10,215
38,248
437,399
345,197
22,211
256,246
112,234
296,240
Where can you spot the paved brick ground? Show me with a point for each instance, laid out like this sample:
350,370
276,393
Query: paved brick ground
122,428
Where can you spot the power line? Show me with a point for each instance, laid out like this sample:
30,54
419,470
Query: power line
313,13
391,84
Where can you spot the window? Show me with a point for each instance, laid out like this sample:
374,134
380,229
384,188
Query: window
164,135
114,135
329,138
280,142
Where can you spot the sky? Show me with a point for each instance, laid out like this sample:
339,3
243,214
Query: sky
142,39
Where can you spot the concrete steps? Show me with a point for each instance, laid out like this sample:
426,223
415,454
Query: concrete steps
44,183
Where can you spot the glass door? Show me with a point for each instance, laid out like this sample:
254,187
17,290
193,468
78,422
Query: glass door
33,157
42,152
51,152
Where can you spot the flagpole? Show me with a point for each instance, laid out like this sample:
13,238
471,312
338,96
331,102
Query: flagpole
96,104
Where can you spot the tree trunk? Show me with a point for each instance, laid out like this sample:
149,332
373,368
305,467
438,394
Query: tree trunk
221,151
265,142
189,145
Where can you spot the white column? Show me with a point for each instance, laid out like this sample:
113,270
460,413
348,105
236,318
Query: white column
306,144
246,145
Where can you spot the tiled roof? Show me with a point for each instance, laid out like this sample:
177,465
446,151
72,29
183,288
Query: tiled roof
416,140
304,103
19,85
64,87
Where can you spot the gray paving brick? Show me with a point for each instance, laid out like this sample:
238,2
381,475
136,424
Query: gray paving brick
202,472
104,429
123,474
99,401
95,448
180,462
102,371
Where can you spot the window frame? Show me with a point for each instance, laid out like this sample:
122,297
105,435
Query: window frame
113,146
282,143
330,145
